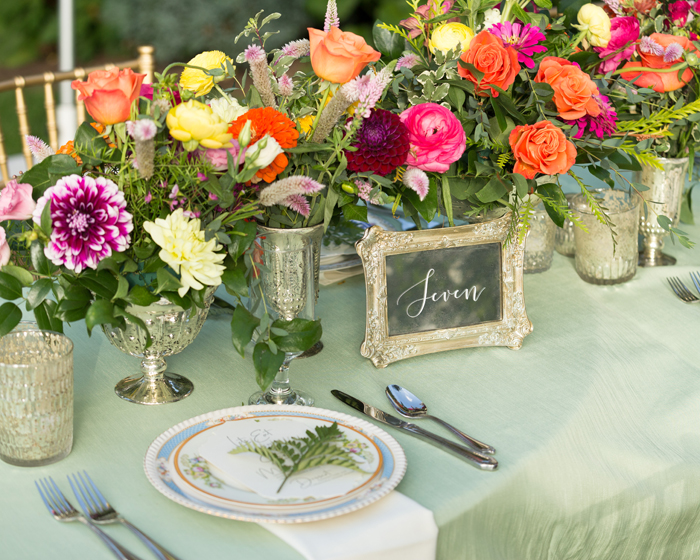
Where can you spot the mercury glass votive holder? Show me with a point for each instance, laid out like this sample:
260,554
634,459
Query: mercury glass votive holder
36,397
564,242
598,259
539,244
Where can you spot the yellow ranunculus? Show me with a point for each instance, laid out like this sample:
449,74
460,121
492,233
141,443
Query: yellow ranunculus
196,80
595,23
450,36
184,249
194,123
305,123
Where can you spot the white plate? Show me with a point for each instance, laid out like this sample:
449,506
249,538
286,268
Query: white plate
225,500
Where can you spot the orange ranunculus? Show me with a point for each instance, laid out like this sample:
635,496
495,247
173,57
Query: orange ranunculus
541,148
660,81
339,56
573,88
498,63
108,94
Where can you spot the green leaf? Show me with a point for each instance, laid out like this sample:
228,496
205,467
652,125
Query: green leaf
10,287
99,313
174,297
10,316
39,261
234,279
92,148
520,183
505,100
521,14
493,190
331,201
624,162
266,364
119,312
457,97
46,223
302,334
38,292
500,117
44,313
387,42
140,295
355,212
45,174
447,199
100,282
428,206
122,288
167,282
243,325
142,252
546,4
664,221
71,311
152,264
242,239
25,277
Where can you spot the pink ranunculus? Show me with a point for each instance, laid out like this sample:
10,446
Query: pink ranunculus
219,159
4,248
16,202
679,12
624,31
436,136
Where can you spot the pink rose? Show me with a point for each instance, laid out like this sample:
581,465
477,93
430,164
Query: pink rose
16,202
219,159
437,137
4,249
624,31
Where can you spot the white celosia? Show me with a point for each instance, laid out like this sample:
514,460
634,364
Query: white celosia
280,191
491,18
40,149
417,180
184,249
227,108
141,129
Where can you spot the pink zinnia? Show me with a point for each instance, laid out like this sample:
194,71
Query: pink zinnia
523,38
624,32
89,220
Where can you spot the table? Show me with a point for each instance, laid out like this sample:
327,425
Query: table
595,419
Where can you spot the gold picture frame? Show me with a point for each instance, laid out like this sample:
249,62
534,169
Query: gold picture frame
514,325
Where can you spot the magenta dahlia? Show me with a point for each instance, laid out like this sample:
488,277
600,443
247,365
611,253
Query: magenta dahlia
382,144
605,124
89,220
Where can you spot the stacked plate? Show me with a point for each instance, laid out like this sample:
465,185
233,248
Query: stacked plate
192,464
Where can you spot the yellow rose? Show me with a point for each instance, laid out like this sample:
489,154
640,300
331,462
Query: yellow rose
194,123
450,36
595,23
196,80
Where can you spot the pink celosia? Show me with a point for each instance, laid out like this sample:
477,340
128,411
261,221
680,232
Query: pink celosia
332,19
141,129
89,220
417,180
257,60
673,52
286,85
288,192
407,61
16,202
40,149
368,89
364,191
297,49
624,32
298,203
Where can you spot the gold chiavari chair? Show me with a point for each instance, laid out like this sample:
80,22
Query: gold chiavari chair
144,64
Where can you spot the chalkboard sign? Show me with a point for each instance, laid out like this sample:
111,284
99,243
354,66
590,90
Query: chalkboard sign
442,289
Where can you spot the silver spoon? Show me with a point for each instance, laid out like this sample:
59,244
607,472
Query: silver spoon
410,406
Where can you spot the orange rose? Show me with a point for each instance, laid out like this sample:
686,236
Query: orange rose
541,148
108,94
339,56
498,63
660,81
573,88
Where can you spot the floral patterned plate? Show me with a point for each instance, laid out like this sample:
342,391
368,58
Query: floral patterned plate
384,461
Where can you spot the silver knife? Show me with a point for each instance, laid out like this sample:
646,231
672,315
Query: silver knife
477,459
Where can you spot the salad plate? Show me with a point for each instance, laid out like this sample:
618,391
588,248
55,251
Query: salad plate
195,464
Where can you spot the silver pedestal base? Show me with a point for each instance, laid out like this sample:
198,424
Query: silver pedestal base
166,388
298,398
655,259
315,349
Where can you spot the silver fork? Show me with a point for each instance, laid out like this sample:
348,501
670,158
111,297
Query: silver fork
97,507
62,510
695,277
681,291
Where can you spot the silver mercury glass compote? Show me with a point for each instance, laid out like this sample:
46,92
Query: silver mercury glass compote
172,329
664,197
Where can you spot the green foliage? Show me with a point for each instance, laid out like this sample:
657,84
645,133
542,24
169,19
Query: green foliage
319,448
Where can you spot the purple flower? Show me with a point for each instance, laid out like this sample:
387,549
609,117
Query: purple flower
604,123
624,31
523,38
89,220
648,46
382,143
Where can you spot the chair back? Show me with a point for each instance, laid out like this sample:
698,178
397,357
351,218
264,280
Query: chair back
144,64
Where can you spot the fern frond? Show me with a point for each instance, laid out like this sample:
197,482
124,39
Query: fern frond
656,122
503,159
526,213
645,157
394,29
599,211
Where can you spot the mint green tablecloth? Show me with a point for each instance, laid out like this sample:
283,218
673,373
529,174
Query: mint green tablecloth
596,421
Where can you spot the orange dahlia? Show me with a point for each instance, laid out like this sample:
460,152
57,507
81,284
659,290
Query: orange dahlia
268,121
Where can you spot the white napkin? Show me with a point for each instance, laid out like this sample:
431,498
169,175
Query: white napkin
394,528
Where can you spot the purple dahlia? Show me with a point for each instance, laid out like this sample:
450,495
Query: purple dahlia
89,220
382,144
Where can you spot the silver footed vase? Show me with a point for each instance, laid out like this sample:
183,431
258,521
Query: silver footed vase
172,329
664,197
287,289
